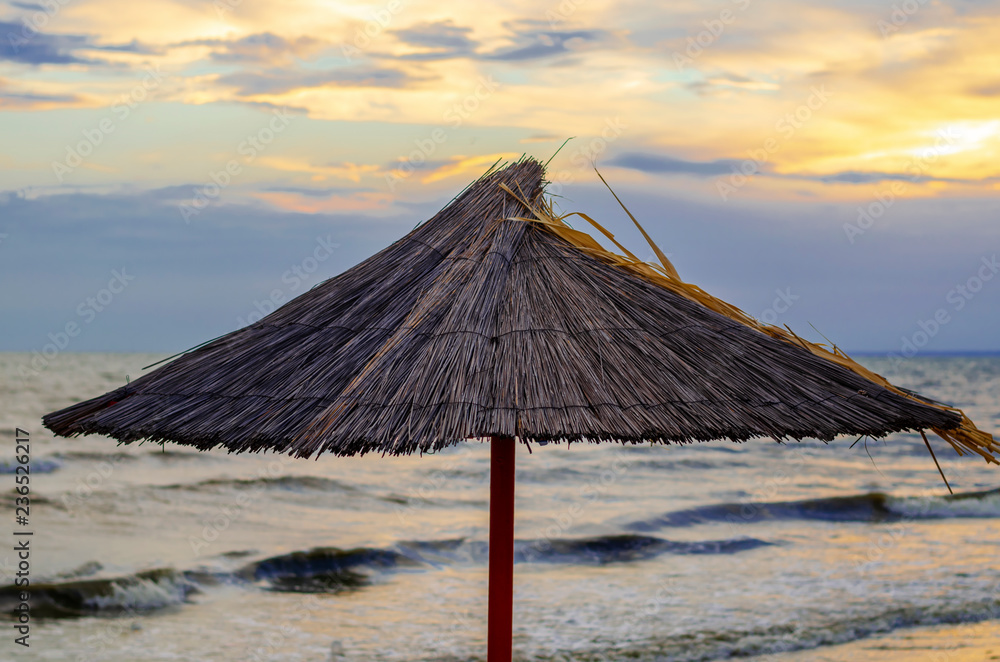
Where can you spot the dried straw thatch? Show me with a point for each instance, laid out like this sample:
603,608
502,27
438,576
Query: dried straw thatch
495,318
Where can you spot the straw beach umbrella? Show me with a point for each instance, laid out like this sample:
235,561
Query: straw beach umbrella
496,320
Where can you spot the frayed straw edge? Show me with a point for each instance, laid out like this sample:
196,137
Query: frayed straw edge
965,438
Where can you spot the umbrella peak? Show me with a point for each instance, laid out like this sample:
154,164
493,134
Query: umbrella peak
496,319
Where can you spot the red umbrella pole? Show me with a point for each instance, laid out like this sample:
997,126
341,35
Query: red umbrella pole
501,616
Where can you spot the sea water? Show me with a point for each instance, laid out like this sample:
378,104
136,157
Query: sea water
700,552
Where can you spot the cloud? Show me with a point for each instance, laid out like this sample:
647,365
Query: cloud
20,42
317,192
533,43
728,81
528,40
195,281
540,138
197,276
441,39
27,100
860,177
133,46
655,163
429,165
15,98
667,165
278,81
261,47
988,90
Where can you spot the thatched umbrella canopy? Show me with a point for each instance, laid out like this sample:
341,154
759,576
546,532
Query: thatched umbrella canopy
495,319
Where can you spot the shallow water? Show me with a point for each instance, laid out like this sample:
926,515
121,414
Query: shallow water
701,552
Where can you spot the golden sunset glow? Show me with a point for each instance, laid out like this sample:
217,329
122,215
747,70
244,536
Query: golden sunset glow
898,96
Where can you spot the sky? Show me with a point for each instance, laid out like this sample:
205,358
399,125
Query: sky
173,169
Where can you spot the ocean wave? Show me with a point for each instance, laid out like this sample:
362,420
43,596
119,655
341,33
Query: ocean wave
36,498
312,484
323,569
967,504
141,592
95,456
283,483
39,466
871,507
333,570
161,453
623,549
330,570
710,645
